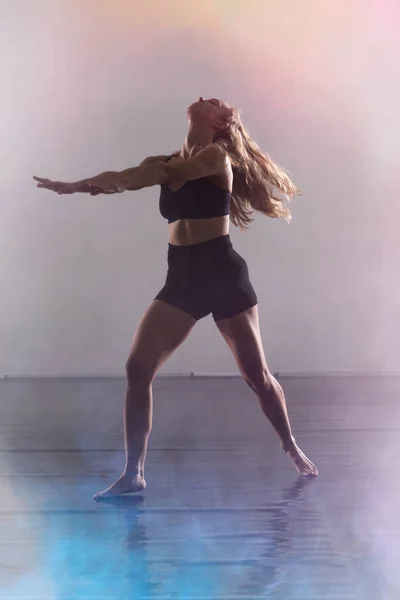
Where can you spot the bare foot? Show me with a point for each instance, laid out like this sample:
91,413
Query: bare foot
303,465
126,484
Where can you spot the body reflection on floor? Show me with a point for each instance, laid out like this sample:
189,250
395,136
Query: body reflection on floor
224,515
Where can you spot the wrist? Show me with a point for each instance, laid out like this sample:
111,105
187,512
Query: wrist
81,186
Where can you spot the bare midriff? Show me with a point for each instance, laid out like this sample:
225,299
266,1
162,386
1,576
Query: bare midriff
186,232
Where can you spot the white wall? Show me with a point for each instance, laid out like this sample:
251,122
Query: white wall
90,85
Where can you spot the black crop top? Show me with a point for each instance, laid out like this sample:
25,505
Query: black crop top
196,199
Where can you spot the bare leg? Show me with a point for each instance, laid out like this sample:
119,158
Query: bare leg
138,420
162,329
137,426
273,404
242,335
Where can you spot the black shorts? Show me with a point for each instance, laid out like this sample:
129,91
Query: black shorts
210,277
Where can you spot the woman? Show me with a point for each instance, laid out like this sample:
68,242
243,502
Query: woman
219,173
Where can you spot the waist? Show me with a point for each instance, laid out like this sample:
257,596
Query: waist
201,248
186,232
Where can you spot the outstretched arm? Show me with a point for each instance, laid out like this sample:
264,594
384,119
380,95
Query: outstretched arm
152,171
83,186
104,183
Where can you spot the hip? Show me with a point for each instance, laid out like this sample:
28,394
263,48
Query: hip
207,263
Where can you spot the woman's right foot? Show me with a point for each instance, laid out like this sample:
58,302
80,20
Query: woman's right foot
303,465
126,484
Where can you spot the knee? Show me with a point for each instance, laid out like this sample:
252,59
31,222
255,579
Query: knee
259,379
138,374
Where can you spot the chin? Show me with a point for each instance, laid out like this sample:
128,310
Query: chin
191,108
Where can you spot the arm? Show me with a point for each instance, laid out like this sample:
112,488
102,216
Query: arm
212,160
102,183
122,177
130,177
110,175
209,161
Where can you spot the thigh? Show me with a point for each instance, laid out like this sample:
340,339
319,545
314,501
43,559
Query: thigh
232,291
160,331
187,296
243,336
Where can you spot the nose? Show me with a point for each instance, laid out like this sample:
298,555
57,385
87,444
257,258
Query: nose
201,99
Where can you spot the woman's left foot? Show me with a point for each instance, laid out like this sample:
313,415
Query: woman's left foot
126,484
303,465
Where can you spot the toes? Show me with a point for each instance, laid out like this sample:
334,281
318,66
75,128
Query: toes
312,472
99,496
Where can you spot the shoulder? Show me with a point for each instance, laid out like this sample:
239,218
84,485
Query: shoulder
213,154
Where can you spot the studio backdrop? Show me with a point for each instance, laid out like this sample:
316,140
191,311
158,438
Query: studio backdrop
95,85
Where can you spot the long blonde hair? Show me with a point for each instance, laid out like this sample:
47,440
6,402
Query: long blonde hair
259,184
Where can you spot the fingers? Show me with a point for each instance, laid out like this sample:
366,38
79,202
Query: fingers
59,187
46,183
42,182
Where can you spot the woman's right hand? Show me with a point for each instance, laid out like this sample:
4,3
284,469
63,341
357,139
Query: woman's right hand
93,186
60,187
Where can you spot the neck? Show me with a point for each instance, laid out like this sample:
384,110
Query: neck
197,137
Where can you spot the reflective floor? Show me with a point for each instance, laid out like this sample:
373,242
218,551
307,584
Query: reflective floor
224,515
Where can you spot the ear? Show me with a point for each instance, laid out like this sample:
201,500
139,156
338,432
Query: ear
221,125
226,120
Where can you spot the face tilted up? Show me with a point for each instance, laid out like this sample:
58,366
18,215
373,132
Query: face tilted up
210,110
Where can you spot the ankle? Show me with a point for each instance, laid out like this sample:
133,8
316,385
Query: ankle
289,444
133,472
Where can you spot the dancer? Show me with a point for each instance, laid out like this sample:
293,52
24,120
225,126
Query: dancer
219,174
